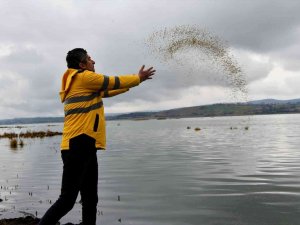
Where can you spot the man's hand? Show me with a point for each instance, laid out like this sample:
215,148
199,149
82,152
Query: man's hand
146,74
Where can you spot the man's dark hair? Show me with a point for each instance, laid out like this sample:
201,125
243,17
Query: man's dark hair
76,56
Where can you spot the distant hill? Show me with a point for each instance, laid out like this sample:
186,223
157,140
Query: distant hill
32,120
275,101
259,107
267,106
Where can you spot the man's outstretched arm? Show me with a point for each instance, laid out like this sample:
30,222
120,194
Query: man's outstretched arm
99,82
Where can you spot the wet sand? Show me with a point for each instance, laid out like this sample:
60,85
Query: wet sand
28,220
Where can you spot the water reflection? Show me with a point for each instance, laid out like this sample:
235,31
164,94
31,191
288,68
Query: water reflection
160,172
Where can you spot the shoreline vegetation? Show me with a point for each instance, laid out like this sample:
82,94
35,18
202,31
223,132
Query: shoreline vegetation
30,134
15,138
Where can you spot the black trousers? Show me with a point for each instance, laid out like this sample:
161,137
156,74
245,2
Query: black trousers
80,174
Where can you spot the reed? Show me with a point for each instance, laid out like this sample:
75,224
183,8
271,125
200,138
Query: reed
9,135
31,134
13,143
21,143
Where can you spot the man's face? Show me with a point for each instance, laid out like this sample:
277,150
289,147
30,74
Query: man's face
88,65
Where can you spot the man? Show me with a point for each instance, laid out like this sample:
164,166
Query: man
82,91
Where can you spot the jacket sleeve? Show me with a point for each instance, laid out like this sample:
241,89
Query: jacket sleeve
107,94
99,82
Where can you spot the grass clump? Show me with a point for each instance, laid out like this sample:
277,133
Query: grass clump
13,143
9,135
31,134
21,143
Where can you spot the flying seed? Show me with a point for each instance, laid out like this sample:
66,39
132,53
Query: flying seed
170,44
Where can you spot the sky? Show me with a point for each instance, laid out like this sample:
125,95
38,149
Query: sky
263,37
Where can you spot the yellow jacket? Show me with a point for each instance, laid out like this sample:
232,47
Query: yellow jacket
82,93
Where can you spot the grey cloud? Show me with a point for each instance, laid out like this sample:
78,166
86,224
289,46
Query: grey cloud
114,35
21,55
257,25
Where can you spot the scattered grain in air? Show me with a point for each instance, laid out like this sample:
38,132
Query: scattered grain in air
168,43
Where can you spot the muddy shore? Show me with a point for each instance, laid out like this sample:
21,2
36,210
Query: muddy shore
28,220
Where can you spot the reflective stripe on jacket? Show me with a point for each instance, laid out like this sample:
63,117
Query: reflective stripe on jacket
82,93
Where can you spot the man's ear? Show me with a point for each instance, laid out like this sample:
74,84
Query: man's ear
82,66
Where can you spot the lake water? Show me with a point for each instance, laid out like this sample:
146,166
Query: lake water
166,174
